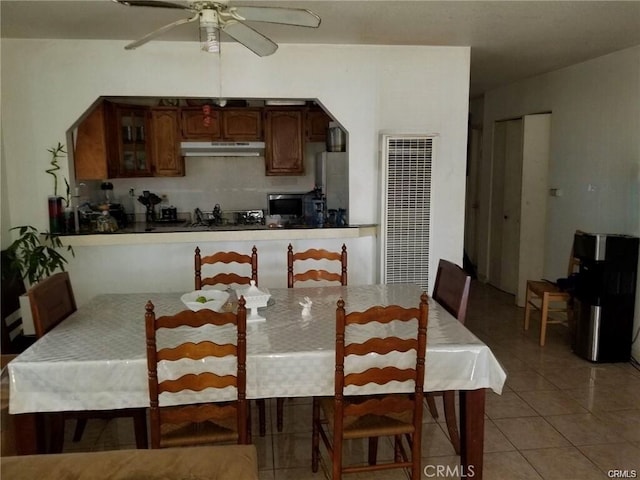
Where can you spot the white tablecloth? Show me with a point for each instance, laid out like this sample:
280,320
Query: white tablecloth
96,358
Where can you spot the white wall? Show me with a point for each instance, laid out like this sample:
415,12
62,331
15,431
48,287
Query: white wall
48,84
594,141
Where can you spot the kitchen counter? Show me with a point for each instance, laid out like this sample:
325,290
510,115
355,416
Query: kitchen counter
142,233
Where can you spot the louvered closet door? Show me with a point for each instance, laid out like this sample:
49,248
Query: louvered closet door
406,197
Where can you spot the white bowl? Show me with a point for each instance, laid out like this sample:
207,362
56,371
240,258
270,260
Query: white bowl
215,299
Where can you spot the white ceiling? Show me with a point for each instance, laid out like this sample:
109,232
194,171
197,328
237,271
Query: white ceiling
509,40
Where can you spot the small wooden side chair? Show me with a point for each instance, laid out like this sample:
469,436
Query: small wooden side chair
176,423
548,297
451,290
52,301
347,417
226,278
317,274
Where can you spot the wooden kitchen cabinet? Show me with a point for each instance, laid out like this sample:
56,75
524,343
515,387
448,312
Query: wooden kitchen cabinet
165,143
224,124
284,152
132,139
92,149
193,124
317,124
242,125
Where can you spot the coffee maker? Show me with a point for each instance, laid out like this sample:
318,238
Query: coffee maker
314,207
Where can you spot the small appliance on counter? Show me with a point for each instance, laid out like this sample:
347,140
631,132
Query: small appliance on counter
150,200
89,216
314,205
287,207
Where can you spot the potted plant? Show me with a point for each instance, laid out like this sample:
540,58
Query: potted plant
36,256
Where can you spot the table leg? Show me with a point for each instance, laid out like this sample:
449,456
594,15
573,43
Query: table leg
29,433
472,432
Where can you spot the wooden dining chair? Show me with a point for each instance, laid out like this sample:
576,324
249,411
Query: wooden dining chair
316,274
451,291
52,300
338,275
176,421
348,417
219,260
549,297
13,338
226,278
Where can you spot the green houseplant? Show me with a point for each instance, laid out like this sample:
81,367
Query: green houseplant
36,255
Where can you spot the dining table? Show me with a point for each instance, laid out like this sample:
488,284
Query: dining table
96,358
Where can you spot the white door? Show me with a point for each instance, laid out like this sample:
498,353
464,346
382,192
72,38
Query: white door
505,205
518,202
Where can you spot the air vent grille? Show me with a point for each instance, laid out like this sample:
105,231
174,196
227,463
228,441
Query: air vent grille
406,209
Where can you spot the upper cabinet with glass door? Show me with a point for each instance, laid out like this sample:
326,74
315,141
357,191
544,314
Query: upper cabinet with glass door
134,158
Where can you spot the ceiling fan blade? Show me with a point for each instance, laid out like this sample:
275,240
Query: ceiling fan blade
247,36
160,31
151,3
285,16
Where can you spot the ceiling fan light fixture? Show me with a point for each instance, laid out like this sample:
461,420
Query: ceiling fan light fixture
209,39
209,31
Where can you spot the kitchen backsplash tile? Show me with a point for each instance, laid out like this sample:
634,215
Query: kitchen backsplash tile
236,183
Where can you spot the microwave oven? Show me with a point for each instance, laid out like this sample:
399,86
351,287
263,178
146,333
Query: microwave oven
288,205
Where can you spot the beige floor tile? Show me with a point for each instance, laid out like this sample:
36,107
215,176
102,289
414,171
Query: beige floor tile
295,474
266,475
530,432
264,449
292,450
435,441
584,429
626,422
562,463
605,399
551,402
507,465
622,456
528,380
507,405
494,439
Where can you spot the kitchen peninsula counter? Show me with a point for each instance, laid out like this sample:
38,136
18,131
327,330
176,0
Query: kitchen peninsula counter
140,234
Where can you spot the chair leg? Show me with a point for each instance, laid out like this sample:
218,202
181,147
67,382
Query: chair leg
373,450
543,319
262,412
279,414
81,424
432,406
449,400
527,308
315,436
57,432
140,429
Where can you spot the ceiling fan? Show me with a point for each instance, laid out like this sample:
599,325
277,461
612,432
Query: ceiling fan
216,16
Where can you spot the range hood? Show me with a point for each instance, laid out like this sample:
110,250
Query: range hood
222,149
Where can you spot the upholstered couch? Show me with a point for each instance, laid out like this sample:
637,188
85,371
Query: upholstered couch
225,462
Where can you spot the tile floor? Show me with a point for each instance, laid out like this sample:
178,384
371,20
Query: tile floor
559,417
